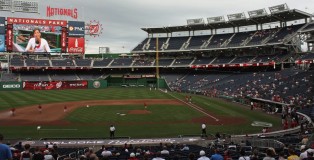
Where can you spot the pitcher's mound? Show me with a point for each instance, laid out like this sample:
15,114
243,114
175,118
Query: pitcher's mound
139,112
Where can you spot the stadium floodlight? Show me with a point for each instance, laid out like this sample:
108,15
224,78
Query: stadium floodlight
257,13
25,6
279,8
236,16
5,5
216,19
195,21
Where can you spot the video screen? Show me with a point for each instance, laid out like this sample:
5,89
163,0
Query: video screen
2,41
36,38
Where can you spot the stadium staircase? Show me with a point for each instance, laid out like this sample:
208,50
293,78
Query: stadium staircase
110,63
185,44
289,37
92,63
248,39
192,61
264,41
213,60
172,62
24,63
49,77
146,46
206,43
50,63
232,60
165,45
74,62
77,77
225,44
132,63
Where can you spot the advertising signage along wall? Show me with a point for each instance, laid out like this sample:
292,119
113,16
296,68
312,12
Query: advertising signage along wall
76,28
10,86
76,45
44,85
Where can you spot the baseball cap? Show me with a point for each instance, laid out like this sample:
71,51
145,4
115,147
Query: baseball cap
302,147
202,153
132,155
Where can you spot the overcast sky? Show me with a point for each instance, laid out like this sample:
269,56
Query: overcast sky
122,19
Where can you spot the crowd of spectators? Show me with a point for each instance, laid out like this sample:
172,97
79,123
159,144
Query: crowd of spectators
218,149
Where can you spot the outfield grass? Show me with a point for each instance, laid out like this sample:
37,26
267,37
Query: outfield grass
108,114
94,121
23,98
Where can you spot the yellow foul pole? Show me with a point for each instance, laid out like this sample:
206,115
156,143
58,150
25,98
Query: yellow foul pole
157,62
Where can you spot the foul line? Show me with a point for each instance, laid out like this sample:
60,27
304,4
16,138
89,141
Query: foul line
193,106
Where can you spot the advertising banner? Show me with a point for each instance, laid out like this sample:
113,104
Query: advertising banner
76,45
44,85
2,25
64,40
9,38
2,41
10,86
76,28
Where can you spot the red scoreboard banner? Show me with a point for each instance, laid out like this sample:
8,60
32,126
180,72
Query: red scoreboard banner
76,45
44,22
45,85
9,38
64,40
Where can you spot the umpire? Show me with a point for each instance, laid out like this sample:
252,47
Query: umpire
112,129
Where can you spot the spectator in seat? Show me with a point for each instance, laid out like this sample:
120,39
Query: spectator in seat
270,153
48,156
243,156
203,156
158,157
106,153
191,156
38,155
292,154
26,154
216,156
164,151
185,148
132,157
5,152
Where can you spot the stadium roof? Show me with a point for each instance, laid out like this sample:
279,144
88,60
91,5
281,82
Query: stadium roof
284,16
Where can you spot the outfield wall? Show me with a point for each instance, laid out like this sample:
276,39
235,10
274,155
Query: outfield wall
91,84
53,85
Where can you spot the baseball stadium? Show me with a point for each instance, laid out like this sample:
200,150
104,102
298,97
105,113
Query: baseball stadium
238,86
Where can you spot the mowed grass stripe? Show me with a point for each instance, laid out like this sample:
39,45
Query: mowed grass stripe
22,98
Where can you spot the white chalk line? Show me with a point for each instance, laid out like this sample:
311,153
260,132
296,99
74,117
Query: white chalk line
194,106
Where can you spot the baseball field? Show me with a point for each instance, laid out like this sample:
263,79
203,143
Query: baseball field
89,113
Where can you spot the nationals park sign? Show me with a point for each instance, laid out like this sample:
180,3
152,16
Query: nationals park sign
117,142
